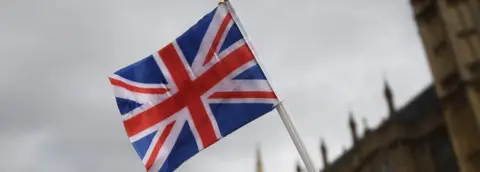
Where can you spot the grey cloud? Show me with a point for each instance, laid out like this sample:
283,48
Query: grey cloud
58,111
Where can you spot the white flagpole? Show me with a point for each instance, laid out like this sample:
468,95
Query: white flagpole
287,120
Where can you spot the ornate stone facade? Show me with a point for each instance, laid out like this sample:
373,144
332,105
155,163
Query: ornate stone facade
438,130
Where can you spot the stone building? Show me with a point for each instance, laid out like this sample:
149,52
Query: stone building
449,30
439,129
412,138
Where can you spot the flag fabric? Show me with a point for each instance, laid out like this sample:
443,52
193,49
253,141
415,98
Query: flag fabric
194,91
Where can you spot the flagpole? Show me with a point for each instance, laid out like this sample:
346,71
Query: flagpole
286,118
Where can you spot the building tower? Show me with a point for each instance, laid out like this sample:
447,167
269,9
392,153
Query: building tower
259,164
298,168
450,30
323,149
353,128
389,98
365,125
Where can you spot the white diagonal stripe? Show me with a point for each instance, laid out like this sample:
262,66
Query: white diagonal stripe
184,60
195,133
211,117
147,101
169,143
137,84
158,133
243,85
166,73
224,35
222,55
141,98
232,75
231,48
208,39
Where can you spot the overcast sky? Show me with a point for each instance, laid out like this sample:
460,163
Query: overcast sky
324,57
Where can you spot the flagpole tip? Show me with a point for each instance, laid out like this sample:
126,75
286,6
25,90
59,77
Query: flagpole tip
221,2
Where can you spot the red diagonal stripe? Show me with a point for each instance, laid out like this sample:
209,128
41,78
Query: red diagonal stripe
154,115
182,80
223,68
217,38
202,122
158,145
137,89
175,66
243,94
197,88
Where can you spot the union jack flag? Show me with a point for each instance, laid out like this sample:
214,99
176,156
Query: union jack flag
192,92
